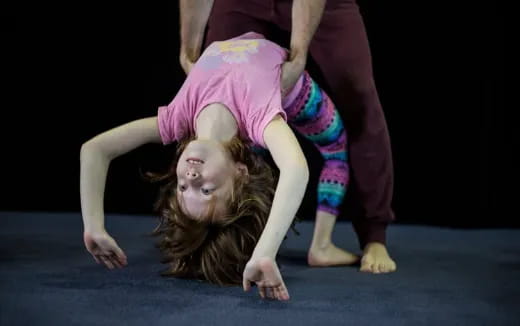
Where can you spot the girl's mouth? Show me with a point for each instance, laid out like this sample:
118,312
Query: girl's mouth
194,160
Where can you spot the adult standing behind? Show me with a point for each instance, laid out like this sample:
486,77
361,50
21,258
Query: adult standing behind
334,35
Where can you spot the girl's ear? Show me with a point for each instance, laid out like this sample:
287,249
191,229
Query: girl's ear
242,169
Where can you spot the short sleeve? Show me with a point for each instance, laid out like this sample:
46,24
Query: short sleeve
164,123
264,102
259,122
173,122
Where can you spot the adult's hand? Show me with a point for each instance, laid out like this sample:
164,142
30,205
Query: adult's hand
186,62
291,71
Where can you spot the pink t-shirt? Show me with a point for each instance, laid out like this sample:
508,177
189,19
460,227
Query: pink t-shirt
243,73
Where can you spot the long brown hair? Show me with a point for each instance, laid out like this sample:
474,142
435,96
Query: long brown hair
215,249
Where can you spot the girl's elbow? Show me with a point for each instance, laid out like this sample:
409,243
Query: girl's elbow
90,148
301,170
85,148
306,175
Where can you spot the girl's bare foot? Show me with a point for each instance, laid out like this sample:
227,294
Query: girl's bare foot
330,255
376,259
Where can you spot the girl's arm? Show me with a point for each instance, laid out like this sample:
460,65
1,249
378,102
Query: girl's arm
294,176
95,157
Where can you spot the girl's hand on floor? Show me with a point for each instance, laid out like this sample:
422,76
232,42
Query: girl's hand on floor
265,273
104,249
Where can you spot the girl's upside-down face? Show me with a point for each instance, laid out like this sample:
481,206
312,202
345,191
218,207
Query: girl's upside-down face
205,174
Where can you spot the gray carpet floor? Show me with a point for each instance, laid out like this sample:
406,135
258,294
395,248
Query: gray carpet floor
445,277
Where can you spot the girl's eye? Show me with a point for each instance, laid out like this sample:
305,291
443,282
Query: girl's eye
182,188
206,191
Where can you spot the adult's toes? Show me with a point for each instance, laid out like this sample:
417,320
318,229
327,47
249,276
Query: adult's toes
366,267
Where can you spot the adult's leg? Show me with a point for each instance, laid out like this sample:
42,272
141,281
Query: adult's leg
341,50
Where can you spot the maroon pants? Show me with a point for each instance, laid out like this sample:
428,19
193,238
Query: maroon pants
341,51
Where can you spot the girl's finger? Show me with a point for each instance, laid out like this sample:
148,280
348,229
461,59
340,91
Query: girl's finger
269,292
115,262
277,293
246,285
120,255
261,290
107,262
285,294
114,258
273,293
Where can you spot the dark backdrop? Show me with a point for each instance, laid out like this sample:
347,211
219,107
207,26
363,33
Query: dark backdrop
71,71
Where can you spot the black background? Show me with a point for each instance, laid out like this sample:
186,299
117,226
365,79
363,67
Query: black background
72,71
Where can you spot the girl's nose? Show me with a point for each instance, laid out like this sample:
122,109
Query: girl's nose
192,174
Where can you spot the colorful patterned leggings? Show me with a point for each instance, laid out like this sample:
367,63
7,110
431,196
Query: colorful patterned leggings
314,116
